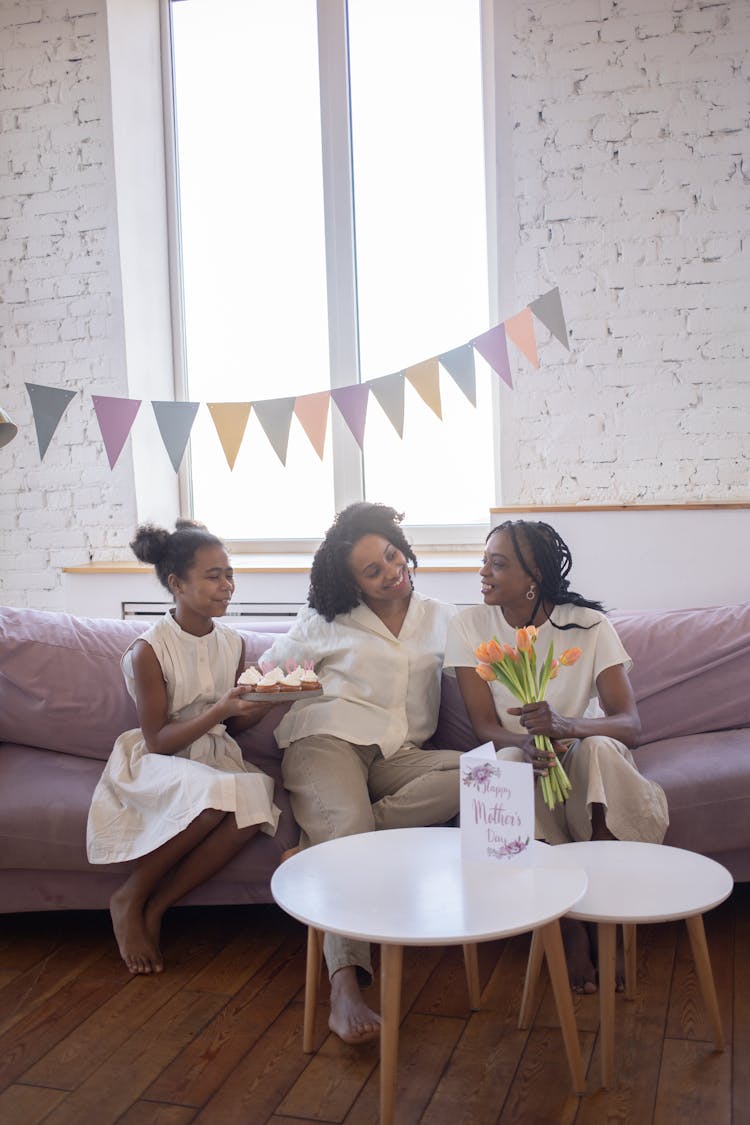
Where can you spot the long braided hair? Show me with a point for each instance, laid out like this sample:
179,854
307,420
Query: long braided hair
332,587
545,550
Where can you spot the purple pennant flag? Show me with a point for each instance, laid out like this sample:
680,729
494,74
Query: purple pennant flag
175,421
48,405
115,417
493,347
352,402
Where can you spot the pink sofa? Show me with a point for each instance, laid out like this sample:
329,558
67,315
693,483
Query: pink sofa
63,703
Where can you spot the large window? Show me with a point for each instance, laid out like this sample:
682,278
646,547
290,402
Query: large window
333,229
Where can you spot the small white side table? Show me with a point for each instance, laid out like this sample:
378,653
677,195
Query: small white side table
631,883
408,886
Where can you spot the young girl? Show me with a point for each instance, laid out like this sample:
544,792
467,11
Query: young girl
176,794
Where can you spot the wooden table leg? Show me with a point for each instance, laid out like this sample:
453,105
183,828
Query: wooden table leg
471,964
607,943
699,947
391,961
312,981
533,968
629,956
558,971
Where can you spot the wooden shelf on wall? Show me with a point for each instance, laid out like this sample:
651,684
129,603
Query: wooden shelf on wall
702,506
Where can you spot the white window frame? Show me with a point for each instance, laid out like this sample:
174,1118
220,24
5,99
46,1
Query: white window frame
341,281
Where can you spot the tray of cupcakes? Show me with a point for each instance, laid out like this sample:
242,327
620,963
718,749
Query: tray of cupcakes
272,684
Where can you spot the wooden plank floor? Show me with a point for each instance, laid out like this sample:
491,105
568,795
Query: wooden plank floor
216,1039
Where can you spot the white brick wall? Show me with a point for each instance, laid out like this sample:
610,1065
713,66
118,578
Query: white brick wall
60,308
631,156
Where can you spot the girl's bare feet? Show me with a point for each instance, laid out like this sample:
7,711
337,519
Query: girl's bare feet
350,1017
578,954
137,949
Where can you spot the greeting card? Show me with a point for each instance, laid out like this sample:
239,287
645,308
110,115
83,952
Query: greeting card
497,807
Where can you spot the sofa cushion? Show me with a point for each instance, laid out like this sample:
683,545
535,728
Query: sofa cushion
707,782
44,803
61,686
691,668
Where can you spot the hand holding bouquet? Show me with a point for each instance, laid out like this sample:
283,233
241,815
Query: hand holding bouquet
517,669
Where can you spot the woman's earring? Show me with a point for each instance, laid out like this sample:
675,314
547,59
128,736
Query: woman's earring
530,595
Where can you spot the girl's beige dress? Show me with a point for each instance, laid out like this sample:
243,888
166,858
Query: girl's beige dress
143,799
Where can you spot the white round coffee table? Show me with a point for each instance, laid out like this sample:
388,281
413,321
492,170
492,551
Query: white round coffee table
408,886
631,883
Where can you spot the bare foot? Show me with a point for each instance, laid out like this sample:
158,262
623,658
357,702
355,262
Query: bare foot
350,1017
289,853
581,970
152,925
136,947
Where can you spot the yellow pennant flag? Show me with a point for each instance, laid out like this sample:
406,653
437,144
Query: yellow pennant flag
520,329
230,420
425,378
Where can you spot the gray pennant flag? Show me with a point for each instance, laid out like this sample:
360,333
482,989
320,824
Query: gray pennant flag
389,391
48,405
548,308
459,363
275,416
175,421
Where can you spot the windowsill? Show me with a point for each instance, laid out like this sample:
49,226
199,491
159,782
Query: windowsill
430,563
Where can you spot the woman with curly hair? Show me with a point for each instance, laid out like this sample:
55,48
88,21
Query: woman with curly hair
353,758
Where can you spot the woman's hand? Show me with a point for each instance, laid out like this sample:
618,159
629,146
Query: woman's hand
233,706
539,760
539,718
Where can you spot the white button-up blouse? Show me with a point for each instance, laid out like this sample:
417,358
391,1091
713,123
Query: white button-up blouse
378,689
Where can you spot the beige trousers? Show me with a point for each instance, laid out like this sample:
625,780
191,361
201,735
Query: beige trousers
339,789
601,771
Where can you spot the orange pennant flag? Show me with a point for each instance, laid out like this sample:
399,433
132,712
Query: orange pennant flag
312,413
230,420
520,329
425,378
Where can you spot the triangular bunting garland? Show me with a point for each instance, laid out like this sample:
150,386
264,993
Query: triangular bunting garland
230,420
175,421
459,363
520,328
48,405
115,417
275,416
389,391
548,308
425,378
352,402
493,347
312,414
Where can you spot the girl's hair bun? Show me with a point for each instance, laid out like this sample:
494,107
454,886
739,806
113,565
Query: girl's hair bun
151,543
171,552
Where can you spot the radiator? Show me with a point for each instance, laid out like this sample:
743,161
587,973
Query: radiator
247,611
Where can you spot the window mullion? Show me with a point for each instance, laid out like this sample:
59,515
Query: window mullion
338,196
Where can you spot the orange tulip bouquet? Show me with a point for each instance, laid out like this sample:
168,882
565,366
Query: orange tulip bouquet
517,669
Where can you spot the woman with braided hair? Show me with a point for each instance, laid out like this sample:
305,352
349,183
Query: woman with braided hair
589,713
353,758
